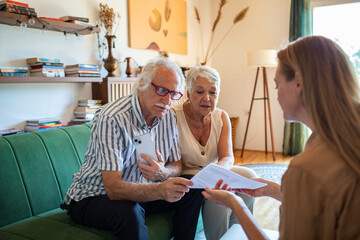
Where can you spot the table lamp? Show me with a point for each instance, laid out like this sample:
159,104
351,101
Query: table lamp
261,59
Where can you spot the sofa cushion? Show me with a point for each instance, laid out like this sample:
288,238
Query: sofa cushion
80,135
37,172
46,228
63,156
56,224
13,199
10,236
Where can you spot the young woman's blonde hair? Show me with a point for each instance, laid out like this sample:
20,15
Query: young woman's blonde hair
330,92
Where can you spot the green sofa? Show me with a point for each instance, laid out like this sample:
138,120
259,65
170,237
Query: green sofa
35,172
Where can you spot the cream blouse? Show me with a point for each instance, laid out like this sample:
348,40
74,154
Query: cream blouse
194,156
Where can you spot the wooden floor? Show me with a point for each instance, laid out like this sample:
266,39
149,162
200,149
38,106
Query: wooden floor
259,157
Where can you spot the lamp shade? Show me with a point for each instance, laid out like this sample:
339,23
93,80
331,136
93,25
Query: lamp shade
262,58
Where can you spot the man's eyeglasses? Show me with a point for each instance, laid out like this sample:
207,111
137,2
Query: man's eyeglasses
163,92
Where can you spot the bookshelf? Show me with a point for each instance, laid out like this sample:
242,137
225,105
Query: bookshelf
49,80
13,19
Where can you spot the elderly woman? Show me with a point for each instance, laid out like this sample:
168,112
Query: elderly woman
320,191
205,137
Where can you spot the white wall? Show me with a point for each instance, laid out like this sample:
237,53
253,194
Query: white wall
26,101
266,26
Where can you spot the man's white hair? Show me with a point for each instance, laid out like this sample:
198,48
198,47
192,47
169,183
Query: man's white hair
147,75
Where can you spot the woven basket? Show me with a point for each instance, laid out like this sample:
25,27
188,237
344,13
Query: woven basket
234,122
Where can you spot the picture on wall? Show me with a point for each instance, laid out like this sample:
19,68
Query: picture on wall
158,25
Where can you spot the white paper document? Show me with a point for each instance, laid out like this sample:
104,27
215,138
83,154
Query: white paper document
212,173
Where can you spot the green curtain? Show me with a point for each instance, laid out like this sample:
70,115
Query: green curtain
296,134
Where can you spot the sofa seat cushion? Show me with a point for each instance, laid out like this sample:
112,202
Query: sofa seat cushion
47,228
56,224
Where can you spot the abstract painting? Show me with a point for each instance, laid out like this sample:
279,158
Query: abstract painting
158,25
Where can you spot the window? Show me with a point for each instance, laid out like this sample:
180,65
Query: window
339,20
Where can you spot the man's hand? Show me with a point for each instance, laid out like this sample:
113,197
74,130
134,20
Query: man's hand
156,170
173,189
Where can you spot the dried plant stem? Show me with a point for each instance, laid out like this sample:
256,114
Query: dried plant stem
117,23
240,16
227,33
201,35
221,5
208,49
202,43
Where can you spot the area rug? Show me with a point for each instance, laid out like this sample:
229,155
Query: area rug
271,172
266,209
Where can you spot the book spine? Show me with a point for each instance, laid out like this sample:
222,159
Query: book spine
82,67
72,18
82,71
89,74
24,11
14,74
54,19
21,8
47,66
48,70
45,63
10,132
44,129
88,67
14,69
48,74
43,60
51,126
17,3
91,101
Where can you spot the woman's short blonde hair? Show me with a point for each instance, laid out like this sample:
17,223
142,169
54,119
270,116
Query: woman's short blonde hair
202,71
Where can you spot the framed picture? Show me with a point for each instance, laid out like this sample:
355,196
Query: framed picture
158,25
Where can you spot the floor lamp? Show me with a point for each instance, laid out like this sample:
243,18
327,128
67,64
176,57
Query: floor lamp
261,59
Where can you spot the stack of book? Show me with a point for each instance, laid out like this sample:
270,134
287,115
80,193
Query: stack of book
46,67
43,124
82,70
14,71
85,111
74,19
17,7
10,131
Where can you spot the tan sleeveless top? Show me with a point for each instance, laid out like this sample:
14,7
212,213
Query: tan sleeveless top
194,156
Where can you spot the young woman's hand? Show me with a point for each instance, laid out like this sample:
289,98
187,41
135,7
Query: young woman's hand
221,194
272,189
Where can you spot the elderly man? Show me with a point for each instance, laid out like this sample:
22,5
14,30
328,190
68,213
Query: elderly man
113,189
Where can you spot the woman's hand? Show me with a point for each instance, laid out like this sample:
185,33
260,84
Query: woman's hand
220,195
272,189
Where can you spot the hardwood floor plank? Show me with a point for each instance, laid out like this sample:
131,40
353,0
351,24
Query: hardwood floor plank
259,157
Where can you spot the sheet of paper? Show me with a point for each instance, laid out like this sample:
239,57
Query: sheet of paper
212,173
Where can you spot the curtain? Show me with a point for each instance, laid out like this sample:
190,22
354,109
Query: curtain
296,134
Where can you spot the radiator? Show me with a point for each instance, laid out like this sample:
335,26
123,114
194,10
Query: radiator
120,89
124,87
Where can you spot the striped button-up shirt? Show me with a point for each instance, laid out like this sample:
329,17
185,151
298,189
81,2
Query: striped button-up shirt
111,146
